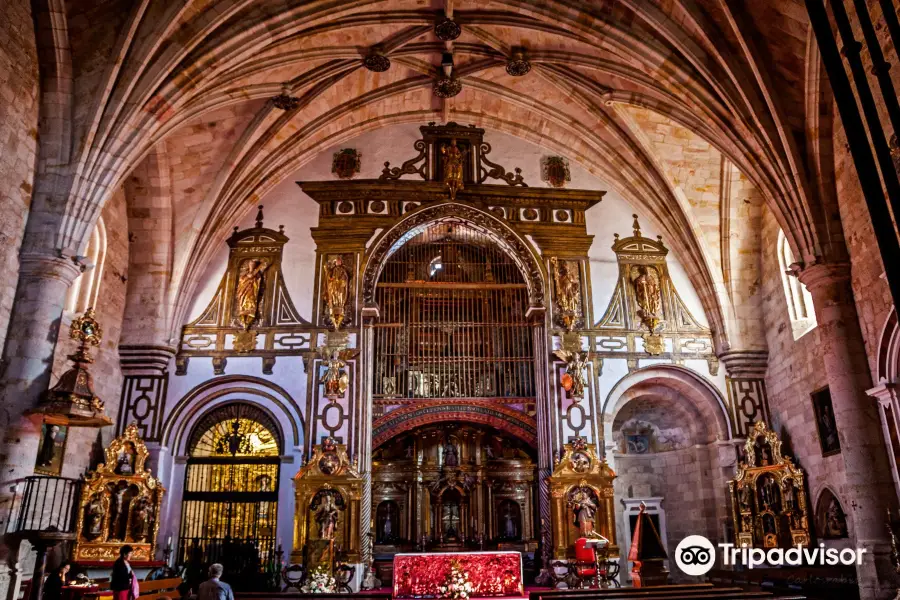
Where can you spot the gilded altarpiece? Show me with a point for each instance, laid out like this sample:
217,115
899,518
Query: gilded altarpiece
119,504
581,491
251,313
768,495
327,494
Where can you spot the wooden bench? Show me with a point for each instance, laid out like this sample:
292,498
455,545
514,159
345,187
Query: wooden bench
149,590
619,592
828,583
302,596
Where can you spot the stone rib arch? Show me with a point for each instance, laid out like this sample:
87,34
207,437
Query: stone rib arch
207,396
519,250
700,392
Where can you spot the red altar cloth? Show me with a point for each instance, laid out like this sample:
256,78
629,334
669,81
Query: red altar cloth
491,573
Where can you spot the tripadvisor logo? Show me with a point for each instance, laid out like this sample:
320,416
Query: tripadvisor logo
696,556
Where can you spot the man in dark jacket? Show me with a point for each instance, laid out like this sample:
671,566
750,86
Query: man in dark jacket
212,588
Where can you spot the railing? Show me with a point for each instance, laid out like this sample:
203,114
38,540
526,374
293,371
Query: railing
43,503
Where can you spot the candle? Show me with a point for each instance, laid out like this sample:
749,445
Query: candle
169,541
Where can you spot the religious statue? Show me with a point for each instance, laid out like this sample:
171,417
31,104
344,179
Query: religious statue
647,294
584,508
453,168
509,529
95,511
386,528
141,519
125,461
327,517
835,520
573,379
768,491
451,456
787,494
337,284
336,379
568,290
249,290
746,498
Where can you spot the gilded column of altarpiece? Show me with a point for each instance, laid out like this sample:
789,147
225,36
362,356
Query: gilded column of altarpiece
120,503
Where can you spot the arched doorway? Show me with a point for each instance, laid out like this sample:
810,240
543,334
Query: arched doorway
230,500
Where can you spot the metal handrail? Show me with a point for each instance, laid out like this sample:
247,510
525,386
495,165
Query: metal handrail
44,503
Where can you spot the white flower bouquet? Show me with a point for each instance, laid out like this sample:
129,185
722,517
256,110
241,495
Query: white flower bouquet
458,586
319,581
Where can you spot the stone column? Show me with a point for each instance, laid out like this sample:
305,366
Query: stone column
867,489
28,355
886,394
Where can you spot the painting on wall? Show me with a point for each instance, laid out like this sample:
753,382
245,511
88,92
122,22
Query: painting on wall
53,446
638,443
825,424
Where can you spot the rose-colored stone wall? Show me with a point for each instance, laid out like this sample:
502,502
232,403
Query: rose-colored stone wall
18,141
110,309
795,370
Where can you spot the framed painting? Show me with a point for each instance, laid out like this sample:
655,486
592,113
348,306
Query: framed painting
825,424
51,450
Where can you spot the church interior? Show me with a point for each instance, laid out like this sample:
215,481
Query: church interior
449,299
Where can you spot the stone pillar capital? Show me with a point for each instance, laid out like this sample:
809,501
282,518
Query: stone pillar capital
820,277
145,359
34,265
745,363
885,393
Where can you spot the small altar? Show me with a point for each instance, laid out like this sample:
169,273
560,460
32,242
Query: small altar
491,573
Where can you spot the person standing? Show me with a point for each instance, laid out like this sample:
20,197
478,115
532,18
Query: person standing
212,588
124,583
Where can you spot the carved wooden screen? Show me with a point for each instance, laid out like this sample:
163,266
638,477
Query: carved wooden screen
452,320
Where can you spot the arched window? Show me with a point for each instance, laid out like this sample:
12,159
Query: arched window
799,300
230,502
84,291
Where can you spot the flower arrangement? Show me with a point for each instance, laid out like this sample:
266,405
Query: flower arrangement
319,581
458,586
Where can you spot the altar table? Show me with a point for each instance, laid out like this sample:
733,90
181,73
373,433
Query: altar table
490,573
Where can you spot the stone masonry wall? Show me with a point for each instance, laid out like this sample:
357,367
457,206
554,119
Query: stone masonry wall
19,105
81,445
795,371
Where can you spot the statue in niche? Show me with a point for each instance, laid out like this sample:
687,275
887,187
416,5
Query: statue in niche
762,452
141,519
581,501
121,514
746,498
94,513
573,379
788,495
454,159
647,293
451,455
125,460
249,290
835,520
768,492
337,283
327,517
568,290
510,526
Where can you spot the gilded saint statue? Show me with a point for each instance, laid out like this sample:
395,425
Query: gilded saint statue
327,517
337,283
336,380
647,294
584,508
568,289
573,379
453,168
249,290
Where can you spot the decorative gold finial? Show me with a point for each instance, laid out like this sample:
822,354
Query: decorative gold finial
88,332
636,226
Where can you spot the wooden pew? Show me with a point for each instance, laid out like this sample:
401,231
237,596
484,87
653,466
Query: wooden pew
149,590
619,592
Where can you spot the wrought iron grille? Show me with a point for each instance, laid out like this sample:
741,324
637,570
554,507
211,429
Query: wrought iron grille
44,503
453,322
230,503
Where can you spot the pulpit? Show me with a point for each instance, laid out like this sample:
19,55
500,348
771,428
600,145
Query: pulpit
647,553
